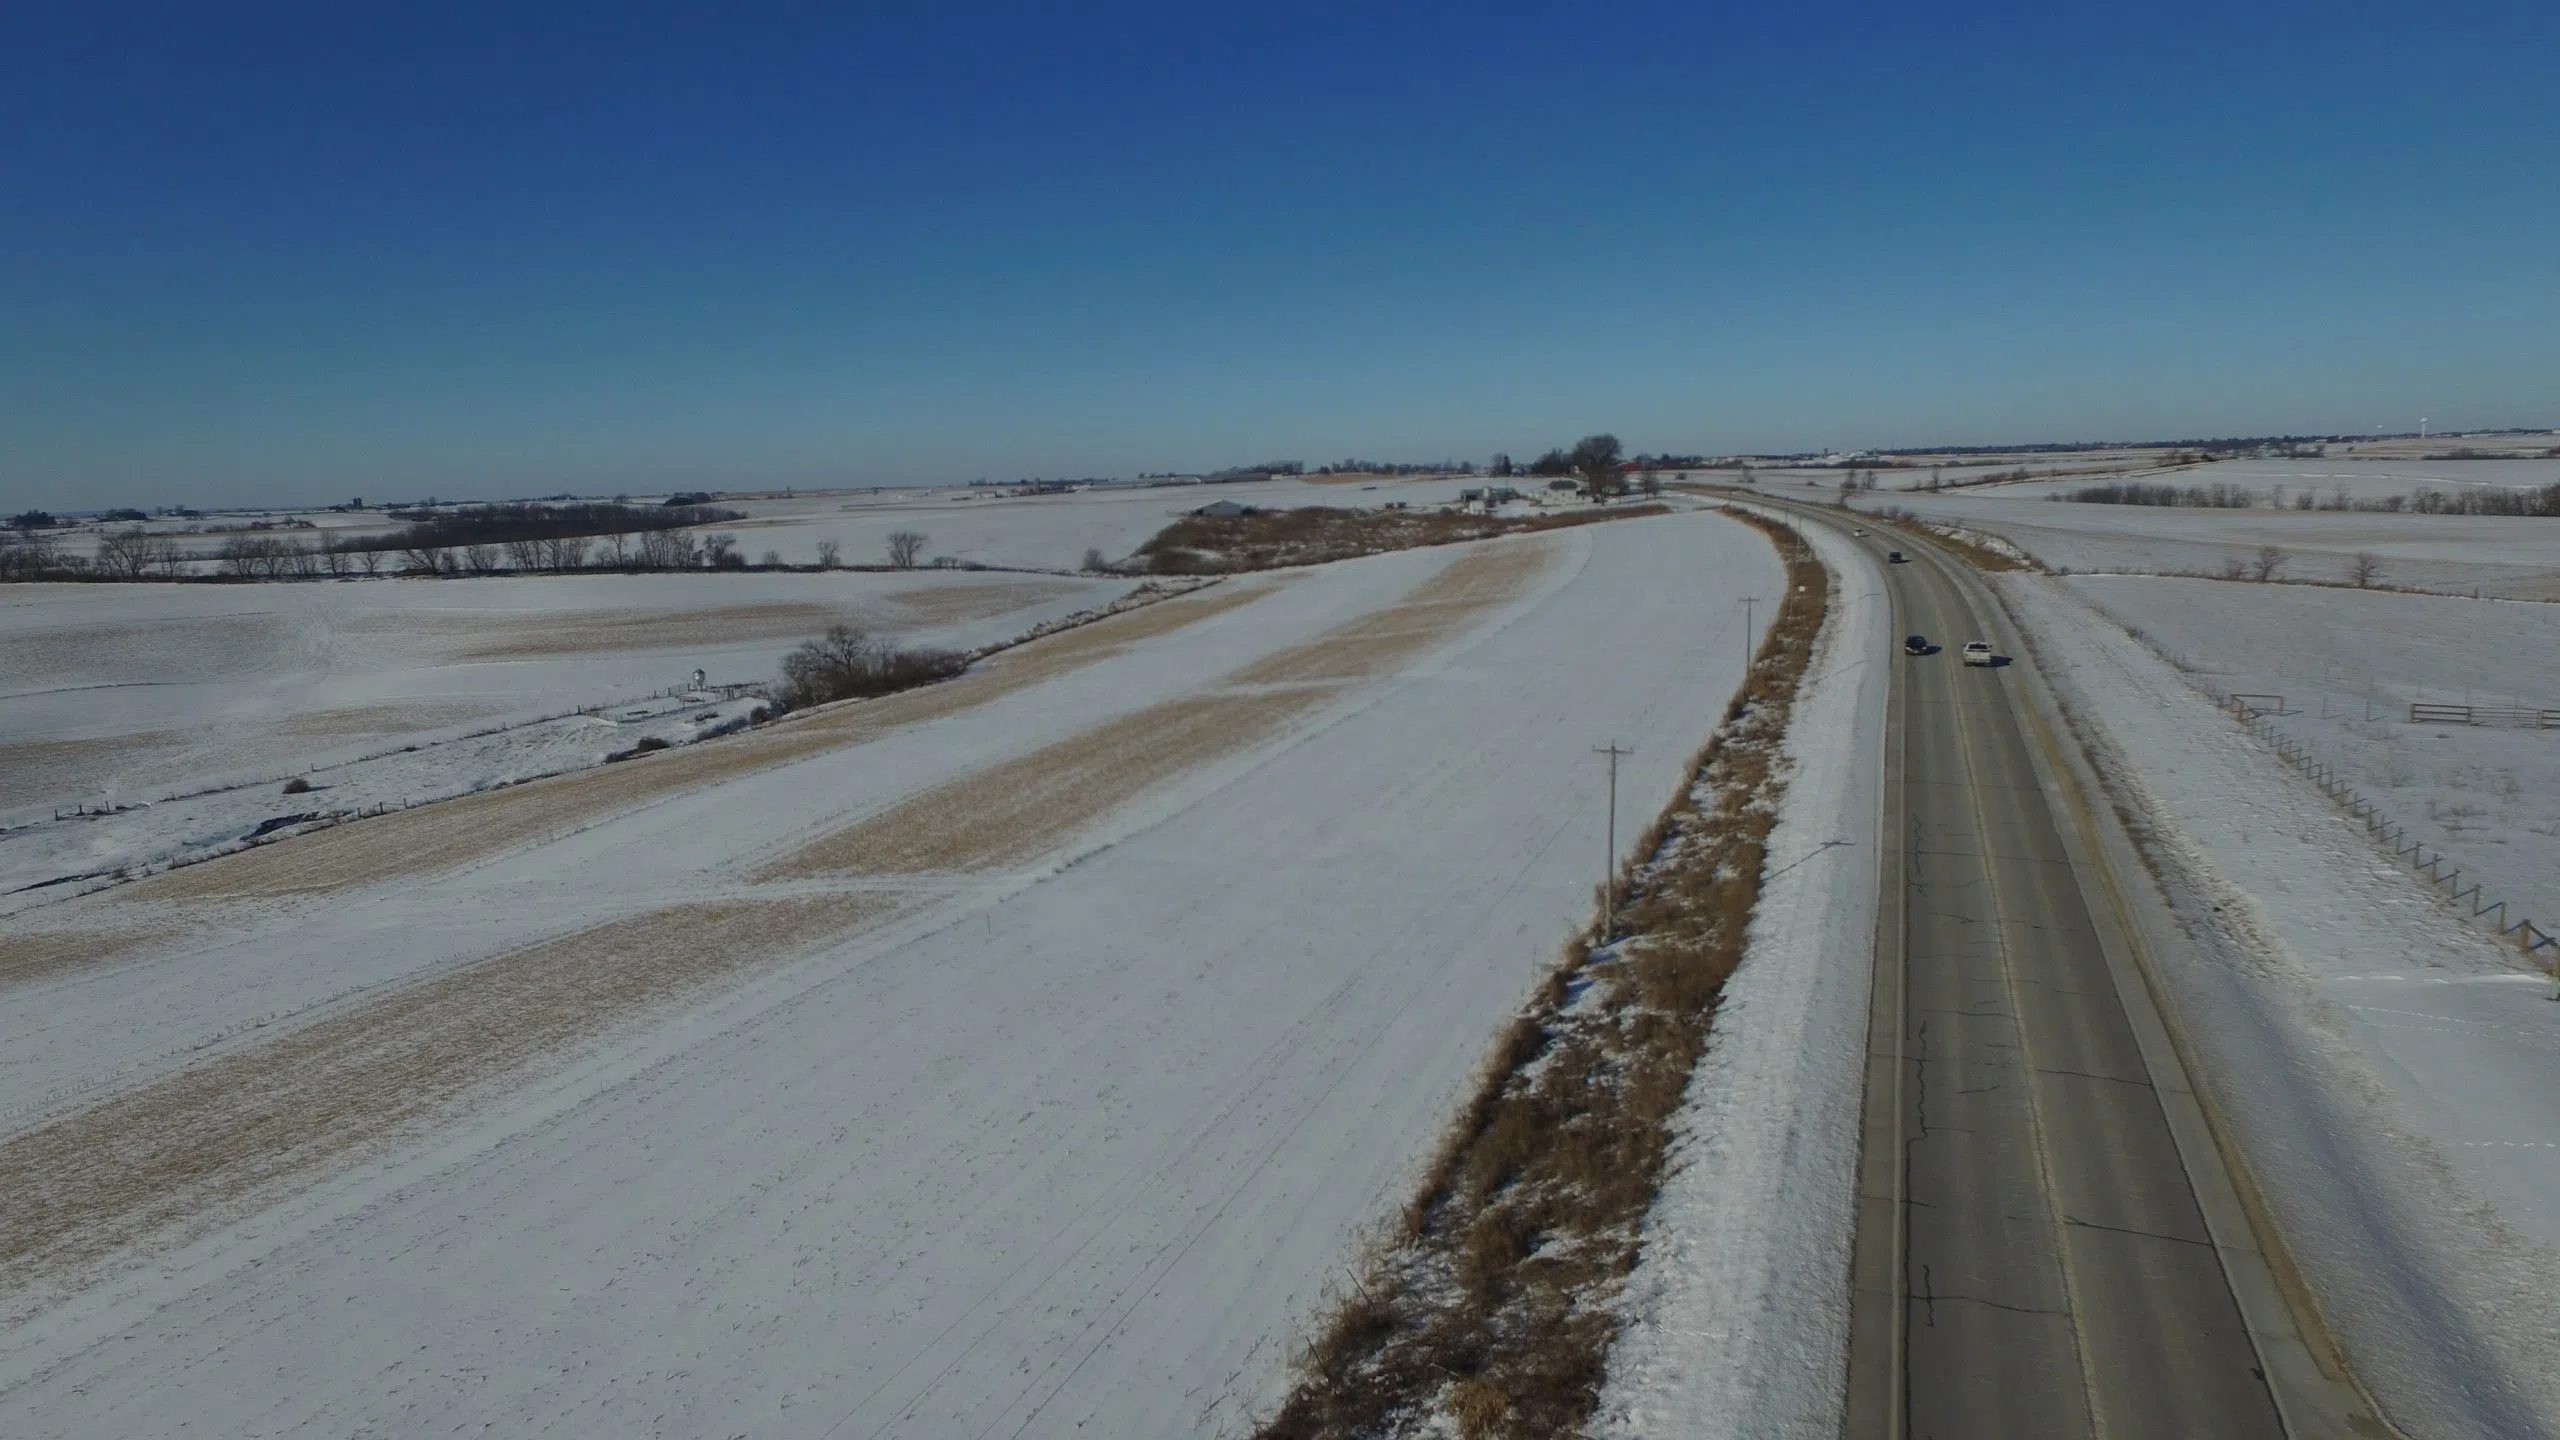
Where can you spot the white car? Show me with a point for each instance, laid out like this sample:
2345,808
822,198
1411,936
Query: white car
1977,652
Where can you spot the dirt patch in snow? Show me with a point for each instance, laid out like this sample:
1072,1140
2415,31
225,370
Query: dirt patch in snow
37,769
393,719
961,604
177,1156
29,958
528,636
175,647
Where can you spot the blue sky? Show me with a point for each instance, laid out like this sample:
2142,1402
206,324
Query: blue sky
281,254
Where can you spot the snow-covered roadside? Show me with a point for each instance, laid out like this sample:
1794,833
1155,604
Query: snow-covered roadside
1737,1316
2381,1065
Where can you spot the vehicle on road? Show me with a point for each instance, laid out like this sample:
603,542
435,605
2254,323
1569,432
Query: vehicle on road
1915,644
1977,652
1895,557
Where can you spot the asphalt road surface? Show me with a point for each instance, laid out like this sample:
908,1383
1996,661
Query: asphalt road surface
2032,1258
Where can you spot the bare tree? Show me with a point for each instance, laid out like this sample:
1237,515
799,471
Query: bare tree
131,554
1650,482
525,554
830,554
1595,459
904,547
1094,564
772,560
2268,562
720,552
2363,570
483,559
563,553
368,560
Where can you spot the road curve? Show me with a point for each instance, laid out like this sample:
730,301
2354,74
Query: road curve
2032,1257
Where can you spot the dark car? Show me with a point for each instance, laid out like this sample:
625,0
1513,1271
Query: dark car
1915,644
1894,556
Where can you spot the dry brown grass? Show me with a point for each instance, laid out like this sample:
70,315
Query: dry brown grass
447,836
1494,1304
176,1155
1316,535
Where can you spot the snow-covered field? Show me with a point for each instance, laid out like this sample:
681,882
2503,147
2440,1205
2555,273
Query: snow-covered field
977,525
2446,554
116,694
2348,665
2384,1063
2277,484
902,1127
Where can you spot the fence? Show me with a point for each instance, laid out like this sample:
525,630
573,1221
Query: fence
2518,716
2529,937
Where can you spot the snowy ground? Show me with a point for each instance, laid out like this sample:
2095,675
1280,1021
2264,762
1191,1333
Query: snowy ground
1050,532
2277,484
127,693
2384,1064
1081,1138
983,525
1738,1312
2348,665
2446,554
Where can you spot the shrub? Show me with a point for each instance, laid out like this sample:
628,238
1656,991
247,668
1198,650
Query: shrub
847,663
297,786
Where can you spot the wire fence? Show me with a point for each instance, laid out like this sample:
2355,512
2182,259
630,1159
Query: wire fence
2256,712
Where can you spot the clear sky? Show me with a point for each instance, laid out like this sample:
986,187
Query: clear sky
253,254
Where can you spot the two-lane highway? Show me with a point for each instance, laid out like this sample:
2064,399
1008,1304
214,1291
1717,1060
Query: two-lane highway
2032,1259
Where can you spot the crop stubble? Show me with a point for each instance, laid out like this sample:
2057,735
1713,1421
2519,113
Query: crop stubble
1027,805
183,1152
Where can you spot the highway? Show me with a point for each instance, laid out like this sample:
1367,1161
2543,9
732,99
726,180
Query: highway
2032,1258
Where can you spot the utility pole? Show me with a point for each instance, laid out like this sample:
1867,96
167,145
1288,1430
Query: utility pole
1749,632
1609,866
